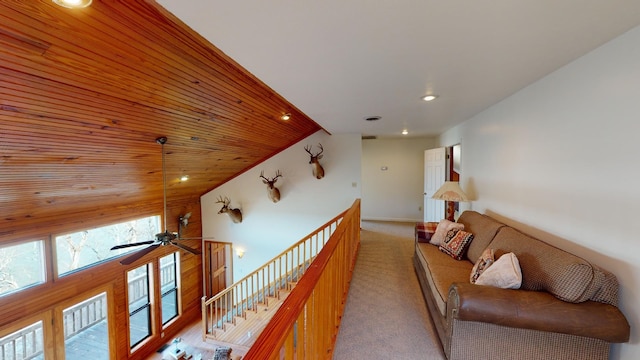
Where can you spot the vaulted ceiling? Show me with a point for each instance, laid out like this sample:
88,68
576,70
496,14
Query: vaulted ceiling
85,93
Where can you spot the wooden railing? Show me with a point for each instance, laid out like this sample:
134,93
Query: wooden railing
256,288
84,315
24,344
306,324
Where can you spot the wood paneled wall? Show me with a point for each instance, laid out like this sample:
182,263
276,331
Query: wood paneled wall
112,274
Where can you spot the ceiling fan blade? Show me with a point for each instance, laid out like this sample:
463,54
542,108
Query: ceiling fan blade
186,248
133,244
137,255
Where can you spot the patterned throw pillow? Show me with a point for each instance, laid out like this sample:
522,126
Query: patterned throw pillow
456,243
485,260
444,226
424,231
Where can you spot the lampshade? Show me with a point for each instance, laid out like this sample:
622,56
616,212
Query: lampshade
450,191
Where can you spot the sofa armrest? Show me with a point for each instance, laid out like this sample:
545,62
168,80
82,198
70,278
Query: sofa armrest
536,310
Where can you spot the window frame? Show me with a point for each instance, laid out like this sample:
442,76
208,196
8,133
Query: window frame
175,289
44,268
149,306
54,245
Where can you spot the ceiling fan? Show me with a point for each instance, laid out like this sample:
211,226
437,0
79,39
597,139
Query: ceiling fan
163,238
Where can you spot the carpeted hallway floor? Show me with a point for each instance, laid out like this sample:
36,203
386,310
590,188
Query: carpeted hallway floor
386,316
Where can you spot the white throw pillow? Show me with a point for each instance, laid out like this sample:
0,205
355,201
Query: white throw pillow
442,229
504,273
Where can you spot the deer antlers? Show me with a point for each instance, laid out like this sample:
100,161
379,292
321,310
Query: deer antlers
234,214
272,191
316,168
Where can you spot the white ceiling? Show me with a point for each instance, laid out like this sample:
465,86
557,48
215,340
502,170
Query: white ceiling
342,60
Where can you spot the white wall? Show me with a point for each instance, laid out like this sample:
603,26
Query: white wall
306,202
559,159
394,194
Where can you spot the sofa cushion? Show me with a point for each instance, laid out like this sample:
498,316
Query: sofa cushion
483,228
441,271
548,268
456,243
444,226
504,273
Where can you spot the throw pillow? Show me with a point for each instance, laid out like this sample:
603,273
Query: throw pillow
442,229
222,353
456,243
424,230
485,260
504,273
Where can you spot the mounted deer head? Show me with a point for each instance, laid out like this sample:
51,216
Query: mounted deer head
272,191
234,214
316,168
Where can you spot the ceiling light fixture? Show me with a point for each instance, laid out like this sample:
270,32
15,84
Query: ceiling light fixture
73,4
429,97
405,132
184,178
285,117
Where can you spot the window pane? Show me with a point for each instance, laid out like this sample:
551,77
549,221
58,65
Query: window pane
26,343
21,266
169,306
139,305
169,287
86,334
86,248
139,328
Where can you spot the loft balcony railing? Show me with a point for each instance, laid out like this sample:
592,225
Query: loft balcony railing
255,289
306,324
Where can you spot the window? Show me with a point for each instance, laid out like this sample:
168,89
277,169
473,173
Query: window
85,248
86,329
26,343
169,287
21,266
139,304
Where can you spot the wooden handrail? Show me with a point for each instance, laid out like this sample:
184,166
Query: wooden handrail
306,324
255,288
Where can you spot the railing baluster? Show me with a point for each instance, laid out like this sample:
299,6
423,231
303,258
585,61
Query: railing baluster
264,282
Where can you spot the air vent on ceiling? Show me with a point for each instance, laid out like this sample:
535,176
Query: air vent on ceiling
373,118
369,137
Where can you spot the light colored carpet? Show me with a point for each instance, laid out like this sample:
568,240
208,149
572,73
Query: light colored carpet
386,316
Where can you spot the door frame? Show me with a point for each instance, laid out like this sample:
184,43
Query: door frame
207,264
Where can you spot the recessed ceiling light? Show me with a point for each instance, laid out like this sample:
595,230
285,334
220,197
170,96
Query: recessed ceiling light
73,4
184,178
405,132
429,97
285,117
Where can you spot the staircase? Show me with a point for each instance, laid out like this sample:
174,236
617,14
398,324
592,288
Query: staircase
238,314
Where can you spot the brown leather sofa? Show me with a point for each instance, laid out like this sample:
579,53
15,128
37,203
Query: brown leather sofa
566,308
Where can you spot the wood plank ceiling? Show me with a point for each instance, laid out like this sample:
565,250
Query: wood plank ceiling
85,93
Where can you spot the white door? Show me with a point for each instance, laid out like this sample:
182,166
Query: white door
435,166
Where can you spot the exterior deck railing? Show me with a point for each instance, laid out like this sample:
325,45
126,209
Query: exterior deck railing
256,288
306,324
24,344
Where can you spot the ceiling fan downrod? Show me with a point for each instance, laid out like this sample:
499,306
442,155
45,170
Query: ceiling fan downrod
162,140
